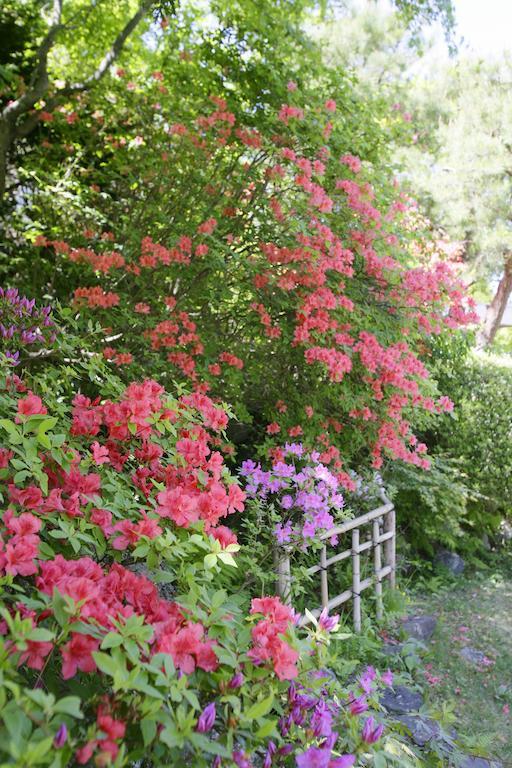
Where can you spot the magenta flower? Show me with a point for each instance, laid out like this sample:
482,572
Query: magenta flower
371,732
328,623
344,761
387,677
236,681
366,679
60,737
358,706
241,759
206,719
314,758
271,750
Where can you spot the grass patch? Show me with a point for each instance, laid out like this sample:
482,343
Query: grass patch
474,611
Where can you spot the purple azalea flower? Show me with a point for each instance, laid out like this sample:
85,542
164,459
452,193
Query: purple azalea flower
314,758
271,750
60,737
371,732
344,761
236,681
328,623
241,759
366,679
358,706
293,449
206,718
283,533
387,677
247,467
287,502
321,720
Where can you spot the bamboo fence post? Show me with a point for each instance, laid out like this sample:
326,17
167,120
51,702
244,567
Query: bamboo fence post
283,574
356,579
377,565
323,577
390,546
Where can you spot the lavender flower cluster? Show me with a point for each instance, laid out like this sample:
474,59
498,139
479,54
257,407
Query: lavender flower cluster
319,715
22,323
303,489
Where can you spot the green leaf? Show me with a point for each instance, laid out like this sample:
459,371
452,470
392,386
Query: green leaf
41,635
268,727
206,745
260,708
210,560
112,640
69,705
148,728
106,663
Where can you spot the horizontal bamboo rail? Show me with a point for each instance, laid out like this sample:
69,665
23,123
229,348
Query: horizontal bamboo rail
382,541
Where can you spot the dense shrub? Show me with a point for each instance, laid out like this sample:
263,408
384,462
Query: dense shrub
284,285
126,630
481,436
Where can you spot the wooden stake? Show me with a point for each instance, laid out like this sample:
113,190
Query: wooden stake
390,546
377,565
323,577
356,580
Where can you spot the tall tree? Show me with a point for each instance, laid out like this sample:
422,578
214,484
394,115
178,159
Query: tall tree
461,164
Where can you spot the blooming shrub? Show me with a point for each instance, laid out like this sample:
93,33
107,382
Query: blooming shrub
291,287
300,489
116,642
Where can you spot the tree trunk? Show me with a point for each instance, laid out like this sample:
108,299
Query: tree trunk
5,143
496,309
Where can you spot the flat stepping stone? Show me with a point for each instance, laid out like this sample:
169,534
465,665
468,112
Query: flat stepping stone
480,762
392,649
401,700
420,627
473,655
422,729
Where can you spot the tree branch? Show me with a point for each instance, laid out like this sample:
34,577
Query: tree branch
39,81
112,54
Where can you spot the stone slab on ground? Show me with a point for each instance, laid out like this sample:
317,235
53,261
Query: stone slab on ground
422,729
420,627
392,649
401,700
480,762
473,655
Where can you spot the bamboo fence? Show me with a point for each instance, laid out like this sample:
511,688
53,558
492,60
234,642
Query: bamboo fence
379,527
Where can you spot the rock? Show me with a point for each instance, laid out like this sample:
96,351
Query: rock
450,560
420,627
166,590
401,700
480,762
422,729
392,649
473,655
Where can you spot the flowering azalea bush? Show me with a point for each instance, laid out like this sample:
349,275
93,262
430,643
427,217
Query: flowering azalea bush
300,490
117,639
288,284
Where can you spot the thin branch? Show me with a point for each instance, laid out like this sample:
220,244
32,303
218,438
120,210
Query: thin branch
111,55
39,81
